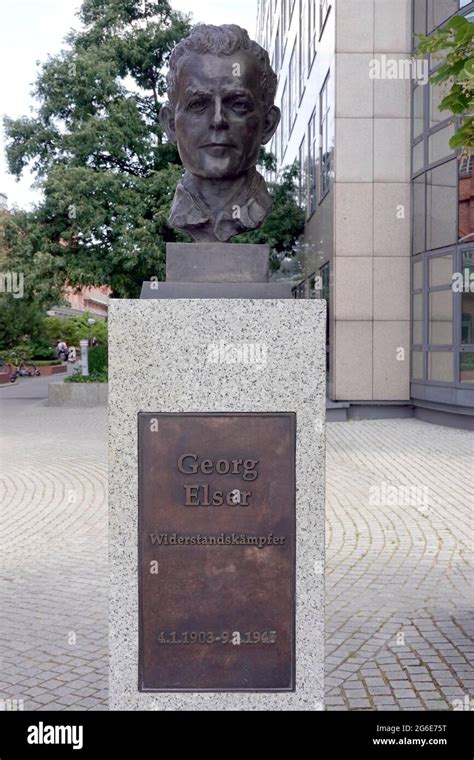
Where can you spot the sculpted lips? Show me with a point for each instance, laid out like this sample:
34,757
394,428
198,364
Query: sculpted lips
218,148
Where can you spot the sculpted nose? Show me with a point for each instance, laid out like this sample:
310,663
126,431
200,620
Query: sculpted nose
219,120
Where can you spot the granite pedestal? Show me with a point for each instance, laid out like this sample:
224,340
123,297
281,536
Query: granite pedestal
173,356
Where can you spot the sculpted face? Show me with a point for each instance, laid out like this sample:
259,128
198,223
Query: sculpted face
220,119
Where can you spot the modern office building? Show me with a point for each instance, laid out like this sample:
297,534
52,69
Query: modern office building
389,208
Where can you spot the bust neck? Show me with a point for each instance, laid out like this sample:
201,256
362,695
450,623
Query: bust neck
216,192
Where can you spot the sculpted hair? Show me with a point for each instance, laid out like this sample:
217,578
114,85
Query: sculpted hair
227,39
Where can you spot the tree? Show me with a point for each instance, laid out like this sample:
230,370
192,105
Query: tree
74,329
36,279
285,223
97,148
453,46
99,152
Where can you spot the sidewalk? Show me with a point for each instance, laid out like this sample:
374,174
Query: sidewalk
32,387
399,578
399,628
53,593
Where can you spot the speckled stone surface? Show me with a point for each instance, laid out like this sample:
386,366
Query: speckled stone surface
161,359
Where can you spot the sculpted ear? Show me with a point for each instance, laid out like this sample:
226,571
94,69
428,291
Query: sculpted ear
167,122
272,121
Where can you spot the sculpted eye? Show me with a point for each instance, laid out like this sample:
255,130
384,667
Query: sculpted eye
240,106
197,105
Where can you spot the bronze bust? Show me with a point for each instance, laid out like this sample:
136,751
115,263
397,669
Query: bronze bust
221,91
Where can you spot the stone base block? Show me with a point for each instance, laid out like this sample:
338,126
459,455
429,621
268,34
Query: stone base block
215,290
217,262
220,356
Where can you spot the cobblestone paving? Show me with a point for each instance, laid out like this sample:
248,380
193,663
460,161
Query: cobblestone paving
399,588
53,545
399,628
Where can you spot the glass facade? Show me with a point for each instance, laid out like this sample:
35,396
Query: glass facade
442,235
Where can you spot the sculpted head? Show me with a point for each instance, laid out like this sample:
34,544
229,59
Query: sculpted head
221,91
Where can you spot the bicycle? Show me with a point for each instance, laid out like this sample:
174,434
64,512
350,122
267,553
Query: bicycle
23,369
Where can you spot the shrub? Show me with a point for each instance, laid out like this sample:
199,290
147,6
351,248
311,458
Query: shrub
20,351
94,377
99,359
42,350
73,329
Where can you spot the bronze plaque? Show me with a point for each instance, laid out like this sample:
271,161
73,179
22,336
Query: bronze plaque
217,552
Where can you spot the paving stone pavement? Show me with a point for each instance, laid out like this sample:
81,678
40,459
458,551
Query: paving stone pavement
53,545
399,582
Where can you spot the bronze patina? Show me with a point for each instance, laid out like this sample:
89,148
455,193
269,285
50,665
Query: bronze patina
217,552
221,90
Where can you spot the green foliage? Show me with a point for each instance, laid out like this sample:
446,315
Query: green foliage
453,45
74,329
267,160
93,377
100,155
98,359
19,352
98,150
285,223
41,349
20,321
38,272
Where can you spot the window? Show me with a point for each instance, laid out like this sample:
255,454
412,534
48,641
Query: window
467,331
441,210
440,271
419,214
417,365
302,42
419,18
418,275
441,317
277,50
440,366
465,166
324,6
284,16
292,8
437,93
324,273
284,122
417,307
313,168
467,367
311,32
418,157
325,159
302,186
418,103
439,11
293,74
276,145
417,319
443,232
438,144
